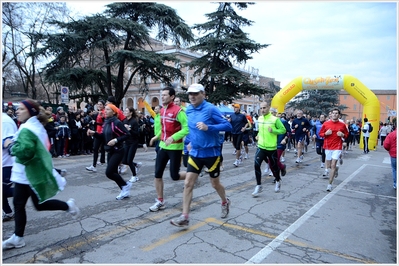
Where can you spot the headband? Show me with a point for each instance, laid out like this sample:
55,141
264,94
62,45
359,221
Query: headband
32,110
113,107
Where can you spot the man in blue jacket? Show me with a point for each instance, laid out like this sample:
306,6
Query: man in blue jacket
204,123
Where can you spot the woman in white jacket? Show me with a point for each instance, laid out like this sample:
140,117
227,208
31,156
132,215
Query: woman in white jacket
30,146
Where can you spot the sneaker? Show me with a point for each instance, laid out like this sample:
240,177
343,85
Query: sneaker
63,172
145,147
267,169
63,156
258,189
123,168
284,171
14,242
59,156
271,173
236,163
180,222
225,209
138,166
326,172
278,186
282,159
234,152
125,191
329,187
301,158
322,165
73,209
134,179
298,160
157,206
8,217
99,163
246,156
91,168
341,161
336,172
221,168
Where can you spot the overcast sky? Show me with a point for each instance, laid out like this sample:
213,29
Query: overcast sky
311,38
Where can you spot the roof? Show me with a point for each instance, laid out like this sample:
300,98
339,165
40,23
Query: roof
376,92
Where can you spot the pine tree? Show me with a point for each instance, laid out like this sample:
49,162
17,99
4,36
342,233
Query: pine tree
316,102
223,43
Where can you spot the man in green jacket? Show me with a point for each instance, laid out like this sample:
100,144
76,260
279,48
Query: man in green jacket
269,127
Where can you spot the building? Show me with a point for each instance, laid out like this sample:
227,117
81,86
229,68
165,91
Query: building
354,109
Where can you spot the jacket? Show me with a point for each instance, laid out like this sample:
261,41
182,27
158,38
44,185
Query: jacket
390,143
268,140
207,143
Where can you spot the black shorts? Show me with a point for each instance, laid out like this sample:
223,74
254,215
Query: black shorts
195,165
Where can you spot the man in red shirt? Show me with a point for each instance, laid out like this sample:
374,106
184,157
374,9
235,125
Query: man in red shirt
333,131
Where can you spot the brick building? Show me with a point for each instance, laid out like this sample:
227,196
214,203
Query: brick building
387,100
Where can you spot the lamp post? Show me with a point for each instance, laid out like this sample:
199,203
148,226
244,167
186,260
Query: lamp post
254,71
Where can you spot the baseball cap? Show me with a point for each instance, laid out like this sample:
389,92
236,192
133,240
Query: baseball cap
236,105
195,88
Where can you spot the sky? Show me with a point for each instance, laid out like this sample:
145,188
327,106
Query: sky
310,38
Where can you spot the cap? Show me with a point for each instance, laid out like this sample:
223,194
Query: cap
111,99
195,88
274,110
9,103
236,105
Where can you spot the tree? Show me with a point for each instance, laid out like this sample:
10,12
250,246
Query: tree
119,44
316,102
19,30
223,43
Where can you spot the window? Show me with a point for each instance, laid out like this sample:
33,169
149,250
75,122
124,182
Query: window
354,107
388,97
345,96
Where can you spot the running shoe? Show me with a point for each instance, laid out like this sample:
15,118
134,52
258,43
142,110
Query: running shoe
225,209
258,189
180,222
157,206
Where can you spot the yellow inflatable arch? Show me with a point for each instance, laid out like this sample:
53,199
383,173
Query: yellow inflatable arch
371,105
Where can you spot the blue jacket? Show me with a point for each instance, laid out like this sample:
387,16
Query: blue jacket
205,143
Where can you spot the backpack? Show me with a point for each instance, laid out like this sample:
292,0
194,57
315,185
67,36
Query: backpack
370,128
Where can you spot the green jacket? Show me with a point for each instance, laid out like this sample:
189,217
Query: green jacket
268,140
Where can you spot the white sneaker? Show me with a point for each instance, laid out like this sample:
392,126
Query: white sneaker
246,156
91,168
271,173
258,189
14,242
138,166
157,206
267,169
329,187
134,179
145,147
298,160
282,159
278,186
73,209
63,172
236,163
123,168
322,165
125,192
326,172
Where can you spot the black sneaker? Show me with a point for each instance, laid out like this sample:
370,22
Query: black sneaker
284,171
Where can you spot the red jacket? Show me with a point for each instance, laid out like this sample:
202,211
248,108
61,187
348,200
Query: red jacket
390,143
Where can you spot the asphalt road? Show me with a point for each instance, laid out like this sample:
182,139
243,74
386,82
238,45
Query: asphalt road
354,224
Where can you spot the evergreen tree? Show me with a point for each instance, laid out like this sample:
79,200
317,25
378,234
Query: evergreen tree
108,50
316,102
225,42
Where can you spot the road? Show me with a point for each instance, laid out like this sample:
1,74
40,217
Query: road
355,223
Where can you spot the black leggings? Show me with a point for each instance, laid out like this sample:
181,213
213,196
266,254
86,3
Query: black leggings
114,158
7,189
21,195
320,150
265,155
98,143
130,152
